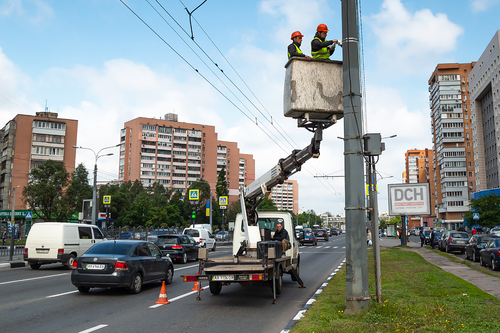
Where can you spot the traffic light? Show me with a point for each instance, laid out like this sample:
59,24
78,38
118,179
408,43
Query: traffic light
193,215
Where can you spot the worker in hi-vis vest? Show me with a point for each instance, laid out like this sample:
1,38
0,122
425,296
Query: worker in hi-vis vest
320,47
294,48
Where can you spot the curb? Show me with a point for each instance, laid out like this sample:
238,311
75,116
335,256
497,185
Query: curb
300,314
16,264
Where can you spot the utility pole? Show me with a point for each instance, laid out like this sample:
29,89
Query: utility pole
357,292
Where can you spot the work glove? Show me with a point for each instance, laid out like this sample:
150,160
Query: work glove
332,47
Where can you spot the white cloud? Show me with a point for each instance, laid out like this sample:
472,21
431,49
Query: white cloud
8,7
36,10
409,42
483,5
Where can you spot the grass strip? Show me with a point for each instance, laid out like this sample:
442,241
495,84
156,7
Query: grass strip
417,297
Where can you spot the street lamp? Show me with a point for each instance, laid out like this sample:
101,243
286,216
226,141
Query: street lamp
94,193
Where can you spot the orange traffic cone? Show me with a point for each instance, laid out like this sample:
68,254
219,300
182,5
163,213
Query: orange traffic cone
197,285
162,299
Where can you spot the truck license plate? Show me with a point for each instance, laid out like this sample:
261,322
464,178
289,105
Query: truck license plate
223,278
94,266
42,250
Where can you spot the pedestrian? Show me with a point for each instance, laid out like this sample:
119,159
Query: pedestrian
474,231
432,238
422,237
400,236
368,236
294,48
320,47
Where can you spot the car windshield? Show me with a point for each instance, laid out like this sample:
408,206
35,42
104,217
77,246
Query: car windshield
427,233
116,248
320,230
458,235
484,240
437,234
192,232
166,240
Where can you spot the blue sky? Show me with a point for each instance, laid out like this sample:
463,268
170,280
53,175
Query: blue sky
96,62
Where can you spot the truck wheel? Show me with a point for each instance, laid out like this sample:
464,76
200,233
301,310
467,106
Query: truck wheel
35,266
69,264
298,273
279,281
213,248
215,287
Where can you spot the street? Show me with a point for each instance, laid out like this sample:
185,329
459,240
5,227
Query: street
46,301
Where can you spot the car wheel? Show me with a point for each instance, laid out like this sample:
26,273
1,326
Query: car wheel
83,290
184,258
447,249
215,287
69,264
136,285
493,266
169,276
213,248
35,266
474,256
481,262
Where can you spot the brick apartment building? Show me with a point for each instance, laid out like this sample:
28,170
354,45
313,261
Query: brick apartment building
176,154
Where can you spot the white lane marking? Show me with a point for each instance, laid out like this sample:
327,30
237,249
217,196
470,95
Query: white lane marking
343,247
327,247
335,247
36,278
69,292
177,298
319,247
178,269
95,328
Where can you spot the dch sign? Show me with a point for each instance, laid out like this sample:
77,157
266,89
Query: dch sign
409,199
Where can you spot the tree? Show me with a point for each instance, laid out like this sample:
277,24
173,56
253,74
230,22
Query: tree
488,207
45,191
78,189
267,205
383,224
221,188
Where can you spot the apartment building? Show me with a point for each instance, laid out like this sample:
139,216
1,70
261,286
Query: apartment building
484,89
176,154
28,141
286,196
454,174
419,169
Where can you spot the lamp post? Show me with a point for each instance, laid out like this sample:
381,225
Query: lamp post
94,193
13,222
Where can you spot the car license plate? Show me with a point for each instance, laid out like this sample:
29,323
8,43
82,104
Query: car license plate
223,278
461,242
94,266
42,250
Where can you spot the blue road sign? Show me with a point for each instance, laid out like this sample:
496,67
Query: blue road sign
475,216
29,215
194,194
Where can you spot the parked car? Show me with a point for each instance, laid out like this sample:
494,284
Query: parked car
152,236
490,255
124,235
427,234
117,264
321,233
441,240
140,235
179,247
495,231
309,238
455,241
437,235
202,236
52,242
222,236
412,231
475,245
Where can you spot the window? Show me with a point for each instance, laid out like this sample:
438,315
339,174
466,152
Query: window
97,233
142,250
154,250
85,233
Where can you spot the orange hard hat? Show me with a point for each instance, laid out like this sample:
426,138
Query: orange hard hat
296,34
322,27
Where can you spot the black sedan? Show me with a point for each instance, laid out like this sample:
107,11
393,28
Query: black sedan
321,233
475,245
126,264
490,255
334,232
179,247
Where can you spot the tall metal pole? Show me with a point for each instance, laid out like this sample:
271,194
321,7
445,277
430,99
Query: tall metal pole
375,237
13,223
357,292
94,195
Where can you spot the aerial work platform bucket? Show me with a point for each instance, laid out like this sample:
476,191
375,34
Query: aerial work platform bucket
313,89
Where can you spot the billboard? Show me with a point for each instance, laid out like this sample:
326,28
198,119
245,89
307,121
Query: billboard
409,199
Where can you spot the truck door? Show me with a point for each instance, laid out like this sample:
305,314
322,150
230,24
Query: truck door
86,239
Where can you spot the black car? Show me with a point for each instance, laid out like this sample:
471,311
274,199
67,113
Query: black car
321,233
441,240
475,245
179,247
335,232
490,255
117,263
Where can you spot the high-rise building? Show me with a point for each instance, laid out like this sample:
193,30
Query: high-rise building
176,154
484,86
286,196
454,178
419,169
28,141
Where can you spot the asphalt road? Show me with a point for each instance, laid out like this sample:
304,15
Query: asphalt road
46,301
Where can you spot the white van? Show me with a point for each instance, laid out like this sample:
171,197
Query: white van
51,242
201,236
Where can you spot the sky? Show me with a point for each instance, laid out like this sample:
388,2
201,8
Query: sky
97,62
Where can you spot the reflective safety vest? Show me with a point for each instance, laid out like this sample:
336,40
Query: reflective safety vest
322,53
298,51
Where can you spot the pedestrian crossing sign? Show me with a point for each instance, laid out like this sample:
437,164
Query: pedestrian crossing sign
194,194
29,215
223,200
475,216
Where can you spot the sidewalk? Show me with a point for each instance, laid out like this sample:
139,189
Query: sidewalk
17,261
485,282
